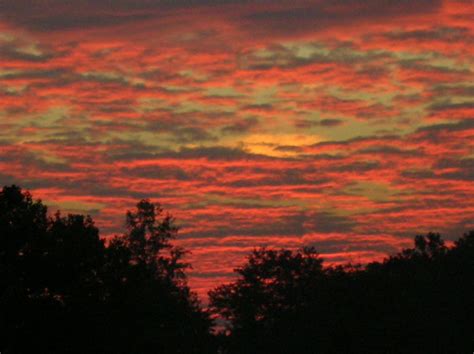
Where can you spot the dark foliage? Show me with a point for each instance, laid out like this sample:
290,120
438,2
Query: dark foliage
419,301
63,290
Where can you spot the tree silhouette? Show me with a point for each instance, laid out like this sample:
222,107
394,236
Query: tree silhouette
63,290
156,307
262,306
420,300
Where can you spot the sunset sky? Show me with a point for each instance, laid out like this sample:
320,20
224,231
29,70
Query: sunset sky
345,125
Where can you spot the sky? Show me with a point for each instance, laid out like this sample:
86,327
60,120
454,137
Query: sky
343,125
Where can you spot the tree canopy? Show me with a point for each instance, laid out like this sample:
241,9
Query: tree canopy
420,300
64,289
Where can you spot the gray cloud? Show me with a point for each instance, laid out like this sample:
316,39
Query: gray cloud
240,126
327,122
281,17
358,166
290,225
448,104
433,130
12,51
312,16
285,57
458,169
453,90
389,150
212,153
327,222
451,34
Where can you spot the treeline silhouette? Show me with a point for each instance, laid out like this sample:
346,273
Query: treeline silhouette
65,290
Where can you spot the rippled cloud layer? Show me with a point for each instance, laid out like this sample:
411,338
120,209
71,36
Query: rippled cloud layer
346,125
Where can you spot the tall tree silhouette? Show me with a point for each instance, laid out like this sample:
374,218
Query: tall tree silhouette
63,290
50,267
157,309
